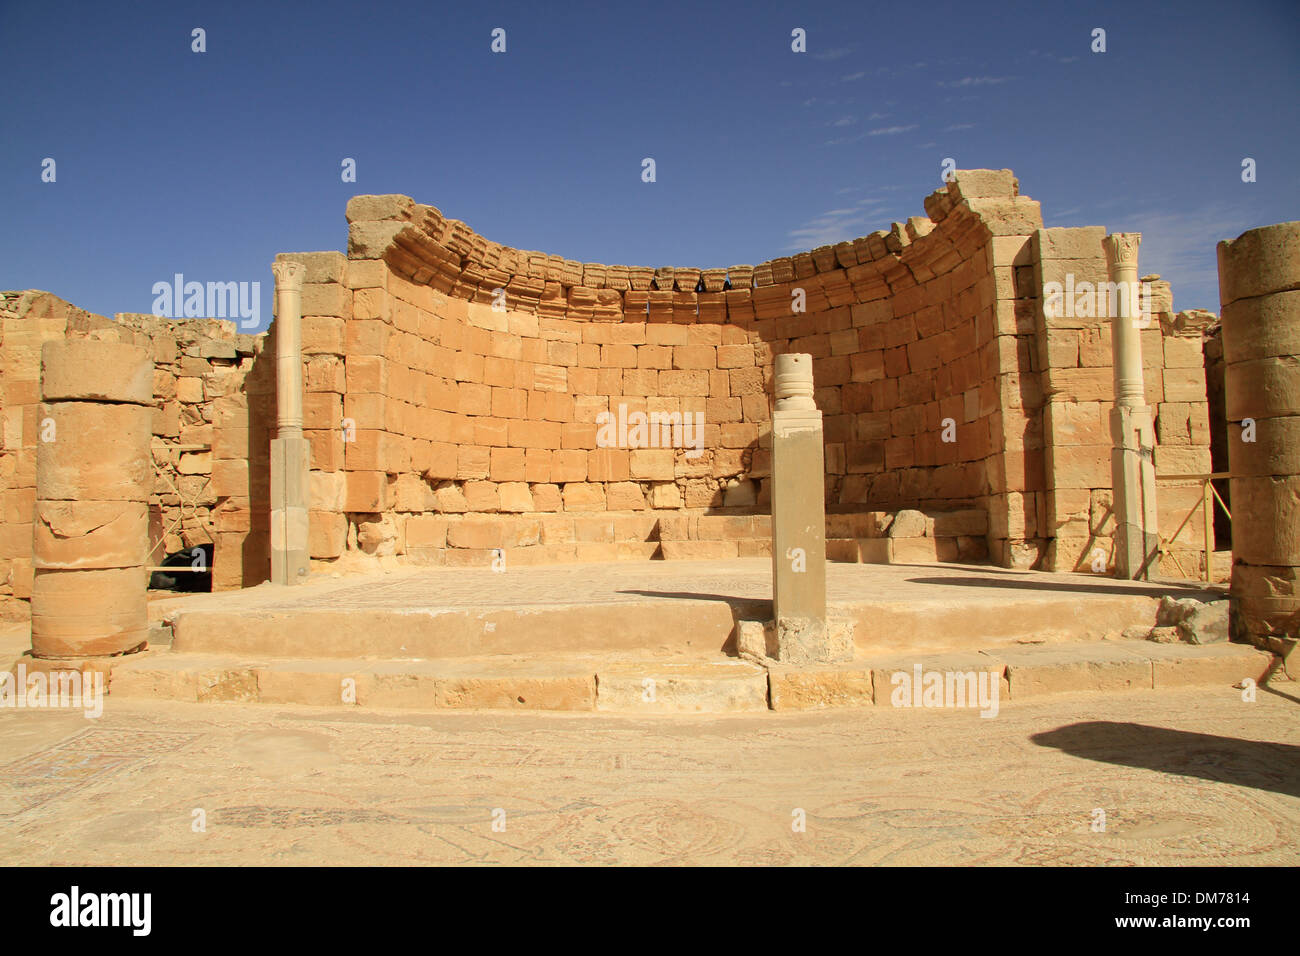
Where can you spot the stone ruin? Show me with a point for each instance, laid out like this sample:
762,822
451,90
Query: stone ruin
453,392
1259,289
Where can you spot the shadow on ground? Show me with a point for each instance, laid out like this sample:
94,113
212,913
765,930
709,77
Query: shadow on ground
748,607
1021,582
1261,765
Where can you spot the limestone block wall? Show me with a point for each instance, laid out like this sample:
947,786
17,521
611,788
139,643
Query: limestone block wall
326,310
999,383
441,424
1183,434
1074,354
455,412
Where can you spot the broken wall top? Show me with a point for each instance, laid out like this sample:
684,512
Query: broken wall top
418,242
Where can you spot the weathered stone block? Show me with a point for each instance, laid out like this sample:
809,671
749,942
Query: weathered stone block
95,452
90,534
89,612
92,370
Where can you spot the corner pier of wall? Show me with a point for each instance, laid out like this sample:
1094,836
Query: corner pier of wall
454,389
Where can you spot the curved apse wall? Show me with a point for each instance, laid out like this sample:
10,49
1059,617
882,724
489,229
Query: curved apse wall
472,427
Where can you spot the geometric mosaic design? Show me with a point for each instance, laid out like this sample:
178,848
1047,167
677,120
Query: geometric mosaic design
77,762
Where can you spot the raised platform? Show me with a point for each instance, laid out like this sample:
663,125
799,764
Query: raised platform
655,637
647,686
654,608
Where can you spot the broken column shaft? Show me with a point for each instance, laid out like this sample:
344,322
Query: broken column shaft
1259,292
799,520
94,475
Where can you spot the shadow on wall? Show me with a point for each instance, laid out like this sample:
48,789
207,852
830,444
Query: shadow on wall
258,389
1219,460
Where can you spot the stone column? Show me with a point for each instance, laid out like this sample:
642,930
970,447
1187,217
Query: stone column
290,451
1259,291
799,521
1132,425
94,475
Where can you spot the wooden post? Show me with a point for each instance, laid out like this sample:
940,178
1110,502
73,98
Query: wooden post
1207,516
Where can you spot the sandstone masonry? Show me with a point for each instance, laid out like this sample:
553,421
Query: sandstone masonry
453,388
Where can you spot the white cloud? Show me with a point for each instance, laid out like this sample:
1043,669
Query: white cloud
891,130
974,81
836,225
1053,56
1181,246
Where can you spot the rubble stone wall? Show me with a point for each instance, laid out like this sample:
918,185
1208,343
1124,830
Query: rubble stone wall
213,421
203,374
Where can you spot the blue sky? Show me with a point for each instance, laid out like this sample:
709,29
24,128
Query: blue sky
208,164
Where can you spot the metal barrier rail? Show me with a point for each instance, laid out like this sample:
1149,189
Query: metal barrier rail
1209,495
179,520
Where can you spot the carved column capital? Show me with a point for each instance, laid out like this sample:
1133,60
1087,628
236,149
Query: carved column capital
1122,249
288,275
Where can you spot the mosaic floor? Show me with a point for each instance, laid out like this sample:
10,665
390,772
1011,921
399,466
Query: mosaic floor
1186,778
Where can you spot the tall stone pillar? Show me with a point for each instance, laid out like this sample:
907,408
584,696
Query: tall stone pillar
799,520
94,475
1259,291
290,451
1132,425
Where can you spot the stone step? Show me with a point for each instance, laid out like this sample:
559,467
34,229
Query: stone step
1022,673
713,687
722,685
456,632
649,609
718,686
